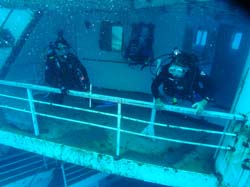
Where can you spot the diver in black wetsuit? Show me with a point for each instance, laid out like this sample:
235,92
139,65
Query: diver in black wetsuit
64,70
181,78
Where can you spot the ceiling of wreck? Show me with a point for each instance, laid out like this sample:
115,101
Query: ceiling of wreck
96,4
207,6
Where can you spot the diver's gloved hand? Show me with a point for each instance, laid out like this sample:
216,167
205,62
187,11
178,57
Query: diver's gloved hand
200,106
64,90
159,104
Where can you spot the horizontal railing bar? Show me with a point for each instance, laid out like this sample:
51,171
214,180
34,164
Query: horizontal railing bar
14,97
14,155
60,105
20,160
16,109
180,127
75,171
81,175
177,141
69,167
76,121
163,125
19,174
127,118
76,108
17,168
128,132
171,108
30,86
60,118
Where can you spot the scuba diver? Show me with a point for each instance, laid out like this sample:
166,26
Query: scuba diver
64,70
139,50
182,79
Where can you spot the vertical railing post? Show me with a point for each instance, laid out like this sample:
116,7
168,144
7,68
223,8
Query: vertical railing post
118,140
33,111
64,175
90,92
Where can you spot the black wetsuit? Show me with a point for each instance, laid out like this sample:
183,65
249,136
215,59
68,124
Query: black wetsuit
195,85
68,73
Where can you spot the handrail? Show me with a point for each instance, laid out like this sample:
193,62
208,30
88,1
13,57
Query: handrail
138,103
23,173
123,117
70,167
124,131
20,160
13,156
59,105
80,175
119,115
20,167
75,171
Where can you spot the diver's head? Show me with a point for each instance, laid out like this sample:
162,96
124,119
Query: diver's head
177,70
62,49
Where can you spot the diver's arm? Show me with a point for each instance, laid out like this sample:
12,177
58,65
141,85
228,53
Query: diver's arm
155,89
203,87
206,91
159,79
155,86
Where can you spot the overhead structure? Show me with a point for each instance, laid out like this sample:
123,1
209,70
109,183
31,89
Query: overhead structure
95,4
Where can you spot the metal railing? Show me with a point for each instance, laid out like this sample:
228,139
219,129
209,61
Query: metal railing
20,165
73,173
119,101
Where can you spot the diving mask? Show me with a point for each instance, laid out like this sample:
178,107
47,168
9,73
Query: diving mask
177,71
